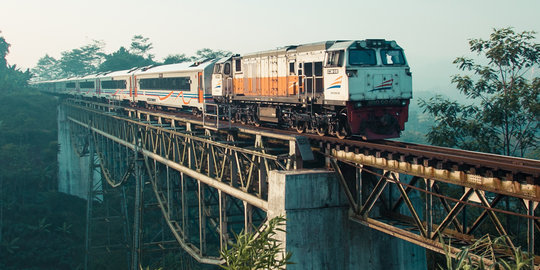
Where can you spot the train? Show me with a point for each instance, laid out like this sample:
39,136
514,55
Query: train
341,88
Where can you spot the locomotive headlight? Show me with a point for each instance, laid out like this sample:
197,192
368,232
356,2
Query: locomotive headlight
358,105
403,102
363,44
393,44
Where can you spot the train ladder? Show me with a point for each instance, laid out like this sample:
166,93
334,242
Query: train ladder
211,112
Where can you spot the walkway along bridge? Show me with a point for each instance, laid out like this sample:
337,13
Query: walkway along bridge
202,182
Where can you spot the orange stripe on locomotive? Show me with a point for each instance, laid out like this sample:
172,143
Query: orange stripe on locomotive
265,86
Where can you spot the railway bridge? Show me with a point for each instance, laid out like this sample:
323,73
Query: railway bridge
164,180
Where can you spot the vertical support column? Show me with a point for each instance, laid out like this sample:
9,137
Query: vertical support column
248,217
530,229
262,164
183,192
127,233
169,194
211,157
138,207
222,220
202,218
89,202
429,207
316,212
359,186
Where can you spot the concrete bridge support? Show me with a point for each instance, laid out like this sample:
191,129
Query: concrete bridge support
319,232
73,170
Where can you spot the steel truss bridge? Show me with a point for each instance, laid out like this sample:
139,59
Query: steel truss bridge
197,184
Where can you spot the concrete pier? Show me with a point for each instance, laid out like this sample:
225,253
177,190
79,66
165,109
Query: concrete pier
73,171
319,232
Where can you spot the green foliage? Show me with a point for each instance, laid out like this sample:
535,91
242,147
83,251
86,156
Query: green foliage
47,69
11,77
207,53
503,116
123,59
39,228
90,59
176,58
4,50
257,251
141,46
29,211
485,254
82,61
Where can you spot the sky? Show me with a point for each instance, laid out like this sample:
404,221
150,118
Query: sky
432,32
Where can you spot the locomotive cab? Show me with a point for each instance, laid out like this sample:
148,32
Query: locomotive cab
222,78
373,80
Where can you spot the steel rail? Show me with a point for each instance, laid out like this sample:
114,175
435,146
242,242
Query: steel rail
443,154
477,160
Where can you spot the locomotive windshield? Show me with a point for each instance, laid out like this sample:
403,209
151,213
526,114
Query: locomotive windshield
392,57
362,57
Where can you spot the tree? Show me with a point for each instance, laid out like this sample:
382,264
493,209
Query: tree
206,53
504,113
11,78
47,68
123,59
262,251
4,50
82,61
141,46
176,58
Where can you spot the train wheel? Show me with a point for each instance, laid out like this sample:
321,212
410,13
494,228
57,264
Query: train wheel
321,130
234,118
300,127
342,132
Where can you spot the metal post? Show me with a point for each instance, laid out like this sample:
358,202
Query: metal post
359,185
248,217
183,192
530,230
127,234
135,253
429,207
222,220
89,200
202,218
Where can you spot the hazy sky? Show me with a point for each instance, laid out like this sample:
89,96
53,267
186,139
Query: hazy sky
432,32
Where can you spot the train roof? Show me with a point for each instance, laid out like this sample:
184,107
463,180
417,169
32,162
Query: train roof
118,73
197,66
89,77
316,46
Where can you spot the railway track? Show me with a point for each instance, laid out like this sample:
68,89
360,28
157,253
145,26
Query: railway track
502,167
